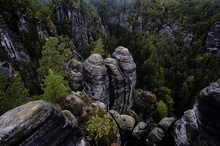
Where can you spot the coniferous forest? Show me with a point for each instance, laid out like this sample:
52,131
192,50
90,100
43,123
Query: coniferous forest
174,44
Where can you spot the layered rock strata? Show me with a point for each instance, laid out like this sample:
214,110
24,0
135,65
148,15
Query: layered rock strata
39,123
201,125
161,134
95,79
213,39
145,103
127,69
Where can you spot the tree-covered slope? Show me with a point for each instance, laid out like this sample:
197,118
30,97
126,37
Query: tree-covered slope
166,38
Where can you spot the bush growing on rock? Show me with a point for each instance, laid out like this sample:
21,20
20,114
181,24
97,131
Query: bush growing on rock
100,129
161,111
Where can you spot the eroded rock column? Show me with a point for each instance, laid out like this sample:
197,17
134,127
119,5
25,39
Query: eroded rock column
95,79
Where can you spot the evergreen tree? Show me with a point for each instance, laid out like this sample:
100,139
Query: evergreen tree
54,54
99,47
54,87
12,92
161,111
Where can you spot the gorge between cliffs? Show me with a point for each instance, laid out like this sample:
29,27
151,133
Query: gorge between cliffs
109,73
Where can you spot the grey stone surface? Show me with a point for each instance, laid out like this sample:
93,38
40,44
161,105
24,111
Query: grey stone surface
9,45
95,79
155,137
39,123
144,103
128,72
82,25
139,130
117,84
125,122
213,39
166,122
169,31
200,125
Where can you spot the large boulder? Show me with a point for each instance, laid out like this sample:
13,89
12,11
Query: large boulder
74,74
127,71
145,103
139,130
161,134
201,125
95,79
39,123
125,122
213,39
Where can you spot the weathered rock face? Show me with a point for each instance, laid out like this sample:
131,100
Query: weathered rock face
74,75
95,79
213,39
39,123
139,130
144,103
200,126
82,26
9,46
169,30
125,122
128,72
117,85
161,134
111,81
22,25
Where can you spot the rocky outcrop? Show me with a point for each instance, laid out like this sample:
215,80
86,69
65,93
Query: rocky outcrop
213,39
161,134
125,122
127,69
39,123
117,85
5,68
8,46
200,125
81,26
23,25
111,81
95,79
139,130
74,75
170,29
144,103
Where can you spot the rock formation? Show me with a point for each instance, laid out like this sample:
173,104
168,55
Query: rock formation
95,79
161,134
144,103
200,125
74,75
9,46
213,39
169,30
114,78
39,123
127,69
139,130
117,85
82,26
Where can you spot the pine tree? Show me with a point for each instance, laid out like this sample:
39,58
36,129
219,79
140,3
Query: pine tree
54,87
99,47
54,54
12,92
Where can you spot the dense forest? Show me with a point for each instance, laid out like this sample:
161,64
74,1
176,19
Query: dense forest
167,39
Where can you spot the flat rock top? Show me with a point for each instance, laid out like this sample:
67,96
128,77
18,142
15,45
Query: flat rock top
122,50
20,118
95,59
